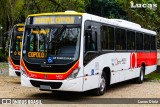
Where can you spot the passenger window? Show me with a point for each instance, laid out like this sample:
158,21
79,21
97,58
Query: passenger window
90,41
146,42
130,40
139,41
153,42
107,38
120,39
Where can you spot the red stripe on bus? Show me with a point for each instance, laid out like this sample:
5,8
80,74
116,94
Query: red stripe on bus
148,58
16,67
49,76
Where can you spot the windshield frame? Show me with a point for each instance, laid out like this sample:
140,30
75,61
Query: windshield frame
29,60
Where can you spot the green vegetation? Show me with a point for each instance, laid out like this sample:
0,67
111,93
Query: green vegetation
3,65
153,76
146,17
3,57
16,11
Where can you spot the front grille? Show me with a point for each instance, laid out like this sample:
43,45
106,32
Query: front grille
53,85
18,73
16,60
54,68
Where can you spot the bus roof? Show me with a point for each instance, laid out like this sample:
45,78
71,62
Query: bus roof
58,13
119,23
115,22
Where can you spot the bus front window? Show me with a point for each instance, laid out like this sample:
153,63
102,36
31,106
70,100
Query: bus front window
16,42
57,45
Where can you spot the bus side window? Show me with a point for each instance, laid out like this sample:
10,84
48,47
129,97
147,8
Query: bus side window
90,41
139,41
130,40
153,42
107,37
147,40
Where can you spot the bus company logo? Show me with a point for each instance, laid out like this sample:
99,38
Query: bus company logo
140,5
32,75
45,76
117,61
59,76
112,62
133,60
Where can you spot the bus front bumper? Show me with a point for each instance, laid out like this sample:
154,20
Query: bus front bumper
13,72
50,85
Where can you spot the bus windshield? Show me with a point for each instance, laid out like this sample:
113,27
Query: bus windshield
52,44
16,40
18,43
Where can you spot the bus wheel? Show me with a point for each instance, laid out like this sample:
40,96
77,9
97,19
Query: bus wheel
140,79
102,87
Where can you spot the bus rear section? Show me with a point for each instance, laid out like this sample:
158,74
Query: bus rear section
15,49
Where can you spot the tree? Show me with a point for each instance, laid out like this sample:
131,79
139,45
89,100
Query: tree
16,11
6,21
147,17
105,8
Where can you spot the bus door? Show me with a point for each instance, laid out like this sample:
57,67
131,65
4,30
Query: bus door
91,51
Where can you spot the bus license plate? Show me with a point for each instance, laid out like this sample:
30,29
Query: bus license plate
45,87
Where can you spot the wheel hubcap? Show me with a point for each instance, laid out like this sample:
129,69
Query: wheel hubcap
102,84
141,74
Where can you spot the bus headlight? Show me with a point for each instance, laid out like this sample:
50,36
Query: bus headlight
23,72
74,74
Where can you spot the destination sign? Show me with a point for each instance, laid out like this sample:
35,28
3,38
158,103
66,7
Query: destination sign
20,29
36,54
17,53
56,20
19,37
40,31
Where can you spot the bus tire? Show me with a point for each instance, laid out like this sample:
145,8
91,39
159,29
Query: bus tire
102,87
140,79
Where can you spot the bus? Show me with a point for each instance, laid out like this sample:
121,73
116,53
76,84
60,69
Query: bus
15,49
72,51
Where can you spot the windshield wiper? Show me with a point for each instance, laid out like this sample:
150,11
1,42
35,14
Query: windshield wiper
61,30
54,39
57,33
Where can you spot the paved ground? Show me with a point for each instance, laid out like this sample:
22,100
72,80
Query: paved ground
10,88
